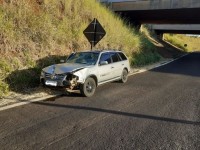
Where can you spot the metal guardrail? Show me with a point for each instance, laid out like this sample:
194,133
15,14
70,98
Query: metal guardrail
110,1
155,4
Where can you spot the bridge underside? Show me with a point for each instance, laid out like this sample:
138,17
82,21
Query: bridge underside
166,16
179,31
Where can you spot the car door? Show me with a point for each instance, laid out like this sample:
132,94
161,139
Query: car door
105,70
117,65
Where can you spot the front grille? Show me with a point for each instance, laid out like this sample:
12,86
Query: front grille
55,76
47,75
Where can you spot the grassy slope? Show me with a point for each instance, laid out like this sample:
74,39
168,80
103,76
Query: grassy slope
193,43
36,33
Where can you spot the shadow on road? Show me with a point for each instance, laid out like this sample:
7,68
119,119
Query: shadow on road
188,65
120,113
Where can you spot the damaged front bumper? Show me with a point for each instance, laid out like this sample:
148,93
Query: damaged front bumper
67,80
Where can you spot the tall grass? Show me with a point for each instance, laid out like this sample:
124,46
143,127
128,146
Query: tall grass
147,53
32,30
187,43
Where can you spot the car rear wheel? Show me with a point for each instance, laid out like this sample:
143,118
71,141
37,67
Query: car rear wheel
124,76
88,88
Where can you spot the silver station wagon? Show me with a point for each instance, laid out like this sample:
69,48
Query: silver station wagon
85,71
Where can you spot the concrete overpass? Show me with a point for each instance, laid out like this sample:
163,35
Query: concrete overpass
157,11
178,28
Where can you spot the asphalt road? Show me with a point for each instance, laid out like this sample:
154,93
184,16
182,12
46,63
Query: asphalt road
158,109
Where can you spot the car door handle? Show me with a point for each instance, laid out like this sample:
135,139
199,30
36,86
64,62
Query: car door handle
122,64
112,67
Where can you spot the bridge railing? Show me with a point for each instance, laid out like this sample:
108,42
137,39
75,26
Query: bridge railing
109,3
118,0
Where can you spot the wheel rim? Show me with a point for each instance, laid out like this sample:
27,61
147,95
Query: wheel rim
124,75
90,87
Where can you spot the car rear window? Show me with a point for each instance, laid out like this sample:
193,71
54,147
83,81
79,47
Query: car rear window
115,57
123,57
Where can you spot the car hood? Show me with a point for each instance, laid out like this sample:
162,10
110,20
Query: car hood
64,68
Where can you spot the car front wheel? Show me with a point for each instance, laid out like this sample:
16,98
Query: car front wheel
124,76
88,88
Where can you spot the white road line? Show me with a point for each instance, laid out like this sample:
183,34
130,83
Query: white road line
26,102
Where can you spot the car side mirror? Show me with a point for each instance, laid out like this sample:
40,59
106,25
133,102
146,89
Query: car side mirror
103,63
62,61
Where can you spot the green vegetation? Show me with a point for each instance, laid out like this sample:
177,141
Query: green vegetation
37,33
186,43
147,55
144,58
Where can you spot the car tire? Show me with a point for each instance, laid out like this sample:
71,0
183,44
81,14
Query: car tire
124,76
88,88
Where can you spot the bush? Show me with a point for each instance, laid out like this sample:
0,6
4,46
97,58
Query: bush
147,54
3,89
141,59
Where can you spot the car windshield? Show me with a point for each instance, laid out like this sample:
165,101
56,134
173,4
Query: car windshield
89,58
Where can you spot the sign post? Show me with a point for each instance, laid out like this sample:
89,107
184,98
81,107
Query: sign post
94,32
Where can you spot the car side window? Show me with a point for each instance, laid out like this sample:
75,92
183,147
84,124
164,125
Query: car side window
123,57
105,57
115,57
